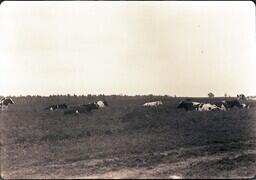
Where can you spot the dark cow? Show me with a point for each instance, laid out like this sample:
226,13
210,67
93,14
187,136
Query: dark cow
85,108
90,106
233,103
95,105
188,106
56,106
228,104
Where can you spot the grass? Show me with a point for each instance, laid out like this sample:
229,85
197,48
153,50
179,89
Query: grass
31,136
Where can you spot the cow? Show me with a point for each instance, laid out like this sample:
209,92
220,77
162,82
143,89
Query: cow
56,106
5,102
153,104
85,108
232,103
188,106
208,107
88,107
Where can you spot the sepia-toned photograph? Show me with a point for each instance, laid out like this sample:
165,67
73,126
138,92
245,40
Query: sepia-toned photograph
127,90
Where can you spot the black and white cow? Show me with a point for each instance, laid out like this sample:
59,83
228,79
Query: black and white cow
5,102
208,107
190,106
56,106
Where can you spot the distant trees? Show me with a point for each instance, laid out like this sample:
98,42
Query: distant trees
225,95
210,95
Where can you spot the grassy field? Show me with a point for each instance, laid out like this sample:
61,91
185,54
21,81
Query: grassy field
126,140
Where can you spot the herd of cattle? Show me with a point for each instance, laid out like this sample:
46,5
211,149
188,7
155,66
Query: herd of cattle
216,106
84,108
187,105
197,106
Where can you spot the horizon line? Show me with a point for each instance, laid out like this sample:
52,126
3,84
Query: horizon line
73,95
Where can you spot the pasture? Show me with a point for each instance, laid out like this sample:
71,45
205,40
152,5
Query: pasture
126,140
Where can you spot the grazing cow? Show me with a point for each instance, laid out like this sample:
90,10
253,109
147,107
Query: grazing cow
208,107
5,102
56,106
188,106
153,104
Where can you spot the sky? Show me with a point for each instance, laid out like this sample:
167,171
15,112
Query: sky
183,48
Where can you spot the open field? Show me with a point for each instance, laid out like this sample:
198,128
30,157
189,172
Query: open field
126,140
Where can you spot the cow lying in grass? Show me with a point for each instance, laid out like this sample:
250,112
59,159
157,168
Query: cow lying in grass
208,107
196,106
231,104
85,108
153,104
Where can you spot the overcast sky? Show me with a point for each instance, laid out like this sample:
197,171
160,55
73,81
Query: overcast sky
102,47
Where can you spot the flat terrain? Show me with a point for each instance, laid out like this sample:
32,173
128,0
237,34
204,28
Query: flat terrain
126,140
